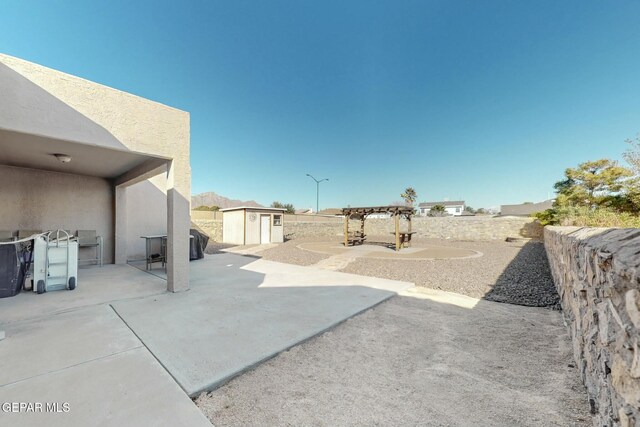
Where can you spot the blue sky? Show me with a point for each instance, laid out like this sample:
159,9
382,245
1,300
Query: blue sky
483,101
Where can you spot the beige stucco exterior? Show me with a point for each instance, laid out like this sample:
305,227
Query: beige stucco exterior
40,200
242,226
118,140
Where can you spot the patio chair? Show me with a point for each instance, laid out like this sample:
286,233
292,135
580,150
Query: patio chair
6,236
89,239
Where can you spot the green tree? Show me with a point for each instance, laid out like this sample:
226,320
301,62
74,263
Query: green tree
437,210
632,154
592,184
469,209
288,206
409,196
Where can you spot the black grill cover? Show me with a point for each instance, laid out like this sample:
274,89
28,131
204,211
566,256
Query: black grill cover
10,271
197,244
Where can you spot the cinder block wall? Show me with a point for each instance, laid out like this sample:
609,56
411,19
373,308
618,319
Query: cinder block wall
597,274
461,228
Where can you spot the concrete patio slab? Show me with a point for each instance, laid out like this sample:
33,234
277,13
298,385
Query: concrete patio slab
239,313
62,341
279,275
96,285
125,389
110,348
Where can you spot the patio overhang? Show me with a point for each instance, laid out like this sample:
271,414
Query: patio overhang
38,152
115,136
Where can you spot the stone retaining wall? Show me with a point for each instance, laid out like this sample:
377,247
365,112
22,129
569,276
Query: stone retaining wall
460,228
211,227
596,272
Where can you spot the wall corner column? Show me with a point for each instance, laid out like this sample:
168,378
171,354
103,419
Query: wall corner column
120,224
178,224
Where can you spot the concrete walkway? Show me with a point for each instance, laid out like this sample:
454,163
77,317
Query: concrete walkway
121,351
89,360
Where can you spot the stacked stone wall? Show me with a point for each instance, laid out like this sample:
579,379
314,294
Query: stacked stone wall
597,274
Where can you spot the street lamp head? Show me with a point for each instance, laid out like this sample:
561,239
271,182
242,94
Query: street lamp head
317,189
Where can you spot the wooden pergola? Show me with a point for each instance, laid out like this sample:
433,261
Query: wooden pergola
361,213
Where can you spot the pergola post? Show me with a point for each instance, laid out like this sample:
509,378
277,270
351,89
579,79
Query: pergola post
397,220
178,223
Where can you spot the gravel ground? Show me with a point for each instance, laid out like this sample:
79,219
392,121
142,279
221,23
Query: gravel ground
289,253
411,361
515,273
509,272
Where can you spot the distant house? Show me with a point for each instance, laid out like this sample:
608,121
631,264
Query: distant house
525,209
455,208
331,211
306,211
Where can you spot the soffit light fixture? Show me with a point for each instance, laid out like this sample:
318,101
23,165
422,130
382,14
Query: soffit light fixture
63,158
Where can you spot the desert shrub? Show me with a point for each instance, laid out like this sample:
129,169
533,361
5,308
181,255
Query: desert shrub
582,216
207,208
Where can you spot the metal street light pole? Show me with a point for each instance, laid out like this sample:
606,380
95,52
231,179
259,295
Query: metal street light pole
317,190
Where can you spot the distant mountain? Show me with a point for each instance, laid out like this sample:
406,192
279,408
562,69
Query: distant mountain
213,199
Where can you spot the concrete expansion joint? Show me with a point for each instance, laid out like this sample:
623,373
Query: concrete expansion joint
84,362
143,344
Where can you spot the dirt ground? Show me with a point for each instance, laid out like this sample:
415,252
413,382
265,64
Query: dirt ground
425,358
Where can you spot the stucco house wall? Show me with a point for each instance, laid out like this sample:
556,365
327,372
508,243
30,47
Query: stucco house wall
41,200
146,212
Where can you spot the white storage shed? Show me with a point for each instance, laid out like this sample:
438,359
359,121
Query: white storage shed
249,225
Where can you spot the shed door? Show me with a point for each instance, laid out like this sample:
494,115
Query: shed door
265,228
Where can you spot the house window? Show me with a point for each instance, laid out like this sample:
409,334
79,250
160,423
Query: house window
277,220
458,209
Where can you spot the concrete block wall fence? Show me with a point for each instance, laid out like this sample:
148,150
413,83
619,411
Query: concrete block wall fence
454,228
597,274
